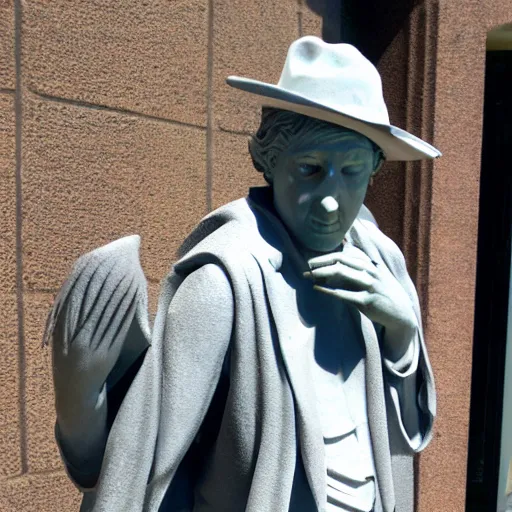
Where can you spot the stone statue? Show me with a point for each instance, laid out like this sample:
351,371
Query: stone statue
286,368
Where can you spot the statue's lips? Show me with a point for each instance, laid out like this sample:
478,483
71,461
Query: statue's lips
323,226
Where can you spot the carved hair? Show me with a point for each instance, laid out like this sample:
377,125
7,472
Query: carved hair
281,129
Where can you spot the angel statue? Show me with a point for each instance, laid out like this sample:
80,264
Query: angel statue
286,368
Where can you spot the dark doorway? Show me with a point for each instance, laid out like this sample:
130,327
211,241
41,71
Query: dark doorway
492,287
369,25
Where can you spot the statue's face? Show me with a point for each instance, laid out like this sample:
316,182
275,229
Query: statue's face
320,187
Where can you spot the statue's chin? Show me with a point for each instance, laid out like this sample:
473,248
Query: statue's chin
324,244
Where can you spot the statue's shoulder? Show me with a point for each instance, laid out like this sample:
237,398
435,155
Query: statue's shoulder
227,228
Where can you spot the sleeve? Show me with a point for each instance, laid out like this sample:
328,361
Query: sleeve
83,479
195,342
409,381
401,378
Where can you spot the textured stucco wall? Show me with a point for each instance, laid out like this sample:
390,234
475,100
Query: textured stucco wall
459,87
114,119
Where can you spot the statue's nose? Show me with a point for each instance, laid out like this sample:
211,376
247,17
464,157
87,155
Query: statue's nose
329,205
326,210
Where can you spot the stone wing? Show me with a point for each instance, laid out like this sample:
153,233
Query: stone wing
86,295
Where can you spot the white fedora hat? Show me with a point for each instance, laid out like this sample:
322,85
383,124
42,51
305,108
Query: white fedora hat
337,84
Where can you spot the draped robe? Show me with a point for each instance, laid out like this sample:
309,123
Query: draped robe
269,418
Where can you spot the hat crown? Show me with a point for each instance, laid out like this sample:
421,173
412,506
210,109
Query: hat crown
337,76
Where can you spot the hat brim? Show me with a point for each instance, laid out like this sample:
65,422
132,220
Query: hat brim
397,144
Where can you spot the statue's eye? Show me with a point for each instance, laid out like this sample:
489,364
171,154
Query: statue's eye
352,170
307,170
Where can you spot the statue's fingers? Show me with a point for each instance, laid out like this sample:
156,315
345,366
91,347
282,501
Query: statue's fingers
341,276
358,263
350,253
358,298
324,260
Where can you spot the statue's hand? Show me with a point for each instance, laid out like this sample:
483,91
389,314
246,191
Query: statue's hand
103,297
352,276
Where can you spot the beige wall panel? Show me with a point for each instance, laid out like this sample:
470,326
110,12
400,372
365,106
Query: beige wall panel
92,176
7,194
147,57
10,461
251,39
42,451
42,493
7,68
233,172
10,446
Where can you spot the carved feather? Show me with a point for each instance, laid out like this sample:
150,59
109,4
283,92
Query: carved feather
104,299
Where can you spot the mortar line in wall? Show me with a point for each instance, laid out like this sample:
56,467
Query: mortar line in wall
33,291
115,110
209,111
46,472
235,132
19,241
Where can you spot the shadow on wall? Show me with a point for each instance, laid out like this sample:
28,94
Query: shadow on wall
370,25
330,12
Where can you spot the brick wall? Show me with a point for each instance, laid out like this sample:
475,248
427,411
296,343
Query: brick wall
114,119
